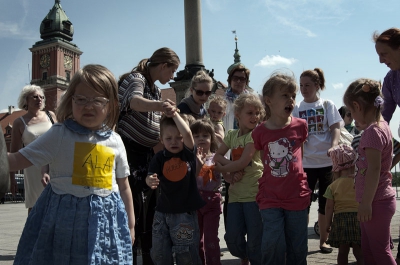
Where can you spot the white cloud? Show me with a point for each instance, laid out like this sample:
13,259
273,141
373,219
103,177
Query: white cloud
273,60
338,86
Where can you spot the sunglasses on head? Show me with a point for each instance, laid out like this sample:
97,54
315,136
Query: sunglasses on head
201,92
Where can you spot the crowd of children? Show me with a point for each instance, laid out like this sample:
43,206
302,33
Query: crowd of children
85,214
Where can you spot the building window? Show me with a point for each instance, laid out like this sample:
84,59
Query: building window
8,131
68,76
44,76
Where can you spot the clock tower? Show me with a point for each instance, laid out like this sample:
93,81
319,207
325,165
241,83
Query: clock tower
55,59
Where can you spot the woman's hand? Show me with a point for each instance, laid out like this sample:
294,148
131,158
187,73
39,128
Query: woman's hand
169,108
152,181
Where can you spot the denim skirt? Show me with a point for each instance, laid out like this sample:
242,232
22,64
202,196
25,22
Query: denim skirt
64,229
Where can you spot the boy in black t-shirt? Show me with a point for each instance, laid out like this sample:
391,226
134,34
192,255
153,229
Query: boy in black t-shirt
175,225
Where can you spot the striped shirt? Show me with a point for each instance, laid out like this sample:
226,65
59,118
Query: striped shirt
141,127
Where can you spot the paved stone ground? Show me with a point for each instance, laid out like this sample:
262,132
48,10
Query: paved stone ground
13,216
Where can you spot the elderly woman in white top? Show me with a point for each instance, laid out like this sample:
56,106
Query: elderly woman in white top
25,130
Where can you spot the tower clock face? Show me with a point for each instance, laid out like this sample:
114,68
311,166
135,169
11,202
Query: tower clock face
45,60
67,62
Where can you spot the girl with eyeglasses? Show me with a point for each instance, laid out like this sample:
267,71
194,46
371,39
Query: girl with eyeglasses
85,215
198,94
27,129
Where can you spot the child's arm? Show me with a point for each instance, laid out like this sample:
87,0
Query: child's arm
239,164
126,196
219,133
184,129
219,155
329,213
200,160
17,161
371,183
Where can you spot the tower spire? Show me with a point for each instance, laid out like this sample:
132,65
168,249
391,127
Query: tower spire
236,55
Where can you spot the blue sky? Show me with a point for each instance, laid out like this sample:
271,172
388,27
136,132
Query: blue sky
334,35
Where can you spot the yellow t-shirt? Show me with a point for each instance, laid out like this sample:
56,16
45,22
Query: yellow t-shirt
246,189
343,193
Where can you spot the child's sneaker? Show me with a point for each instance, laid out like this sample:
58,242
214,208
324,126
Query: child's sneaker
244,262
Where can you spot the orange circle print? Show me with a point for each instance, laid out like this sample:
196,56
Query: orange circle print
175,169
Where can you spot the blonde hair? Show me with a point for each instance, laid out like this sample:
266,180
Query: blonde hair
205,125
101,80
27,91
364,91
251,99
281,81
220,101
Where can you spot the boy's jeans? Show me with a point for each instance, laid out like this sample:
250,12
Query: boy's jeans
175,233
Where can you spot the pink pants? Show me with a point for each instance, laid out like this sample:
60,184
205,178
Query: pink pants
209,223
375,234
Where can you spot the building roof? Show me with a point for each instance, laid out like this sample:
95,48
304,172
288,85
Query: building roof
56,24
8,119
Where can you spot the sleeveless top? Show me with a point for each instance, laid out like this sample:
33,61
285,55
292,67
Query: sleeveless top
32,175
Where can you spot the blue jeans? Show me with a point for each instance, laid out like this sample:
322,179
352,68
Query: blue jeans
244,218
284,236
175,233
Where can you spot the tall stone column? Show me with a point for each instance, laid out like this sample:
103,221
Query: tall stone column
193,47
193,39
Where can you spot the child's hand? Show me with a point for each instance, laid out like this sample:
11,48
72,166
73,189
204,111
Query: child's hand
45,179
228,177
201,157
132,235
152,181
218,167
237,176
364,213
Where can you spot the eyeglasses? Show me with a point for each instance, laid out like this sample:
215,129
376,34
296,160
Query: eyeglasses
238,78
99,102
348,114
37,97
201,92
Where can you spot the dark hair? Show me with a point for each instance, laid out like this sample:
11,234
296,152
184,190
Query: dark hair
316,75
364,91
160,56
342,111
205,125
390,37
239,68
164,122
278,80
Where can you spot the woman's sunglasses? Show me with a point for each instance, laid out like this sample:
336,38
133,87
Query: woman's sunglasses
201,92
